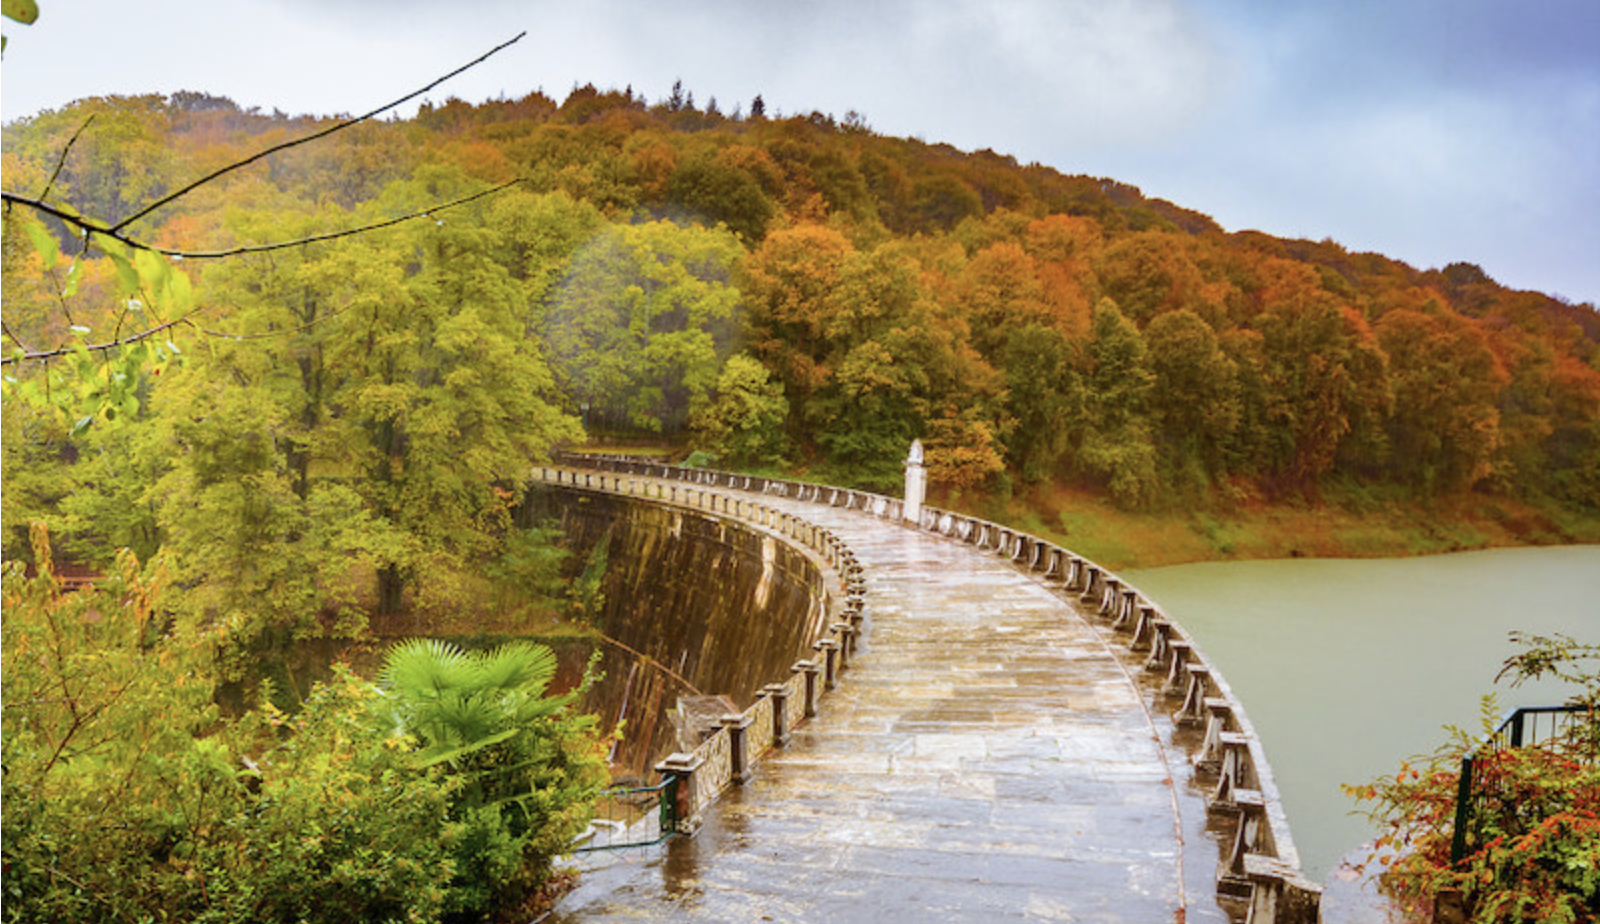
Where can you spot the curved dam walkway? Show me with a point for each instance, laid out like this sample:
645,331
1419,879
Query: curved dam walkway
993,752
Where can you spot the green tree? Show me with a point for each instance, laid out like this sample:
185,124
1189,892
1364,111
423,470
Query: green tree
129,796
1117,450
1045,396
744,420
1194,400
872,415
640,327
716,188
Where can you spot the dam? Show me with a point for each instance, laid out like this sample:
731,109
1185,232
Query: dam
990,728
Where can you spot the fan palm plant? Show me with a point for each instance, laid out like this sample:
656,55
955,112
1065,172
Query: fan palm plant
525,769
459,702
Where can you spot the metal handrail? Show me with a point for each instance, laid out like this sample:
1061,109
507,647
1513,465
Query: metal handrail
1517,729
666,793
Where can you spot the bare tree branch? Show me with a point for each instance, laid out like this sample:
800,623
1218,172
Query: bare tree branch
165,200
95,347
7,328
89,228
92,228
62,160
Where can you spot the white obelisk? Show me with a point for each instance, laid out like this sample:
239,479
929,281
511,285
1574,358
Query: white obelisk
916,484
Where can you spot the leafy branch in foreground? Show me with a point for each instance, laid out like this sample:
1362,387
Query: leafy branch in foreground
164,294
129,796
1533,848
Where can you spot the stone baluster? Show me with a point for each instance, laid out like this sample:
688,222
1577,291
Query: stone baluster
740,767
856,617
1182,650
1195,696
1144,629
844,633
1160,637
1090,582
779,694
810,669
1074,573
1252,808
1109,586
1219,718
830,660
1237,772
1127,607
1281,895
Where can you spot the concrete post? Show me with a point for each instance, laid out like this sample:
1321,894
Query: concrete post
1145,628
810,669
779,694
1090,583
739,765
683,767
916,485
846,633
830,660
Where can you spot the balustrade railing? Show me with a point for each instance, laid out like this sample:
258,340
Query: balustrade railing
1261,865
692,780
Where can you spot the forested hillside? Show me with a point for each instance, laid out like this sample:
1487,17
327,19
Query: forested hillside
793,291
259,430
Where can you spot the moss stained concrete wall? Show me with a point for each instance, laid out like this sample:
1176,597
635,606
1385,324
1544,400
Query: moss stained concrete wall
715,607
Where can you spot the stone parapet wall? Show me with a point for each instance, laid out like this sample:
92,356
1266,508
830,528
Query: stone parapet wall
1261,866
728,754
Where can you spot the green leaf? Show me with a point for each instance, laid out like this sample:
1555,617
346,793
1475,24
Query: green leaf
127,276
180,293
434,758
154,270
23,11
45,243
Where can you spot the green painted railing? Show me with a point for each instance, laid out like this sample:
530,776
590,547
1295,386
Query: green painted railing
1529,726
631,816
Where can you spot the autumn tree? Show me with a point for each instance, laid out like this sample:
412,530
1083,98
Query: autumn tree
793,289
1444,431
1327,381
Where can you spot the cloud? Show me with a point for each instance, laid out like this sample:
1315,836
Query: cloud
1422,128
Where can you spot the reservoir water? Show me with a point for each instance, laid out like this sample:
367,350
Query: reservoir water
1347,667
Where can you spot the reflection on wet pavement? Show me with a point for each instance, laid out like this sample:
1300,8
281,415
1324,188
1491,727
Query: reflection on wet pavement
986,757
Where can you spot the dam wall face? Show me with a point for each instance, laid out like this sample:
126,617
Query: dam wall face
700,612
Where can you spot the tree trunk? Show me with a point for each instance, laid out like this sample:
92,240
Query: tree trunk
391,590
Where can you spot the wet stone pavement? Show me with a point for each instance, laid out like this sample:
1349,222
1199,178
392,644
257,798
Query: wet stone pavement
989,755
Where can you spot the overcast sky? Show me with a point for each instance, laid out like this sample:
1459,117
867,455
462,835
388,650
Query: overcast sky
1429,130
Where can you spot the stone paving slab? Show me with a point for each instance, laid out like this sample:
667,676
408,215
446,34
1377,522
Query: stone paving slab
986,757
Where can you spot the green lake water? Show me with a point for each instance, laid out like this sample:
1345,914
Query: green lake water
1347,667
